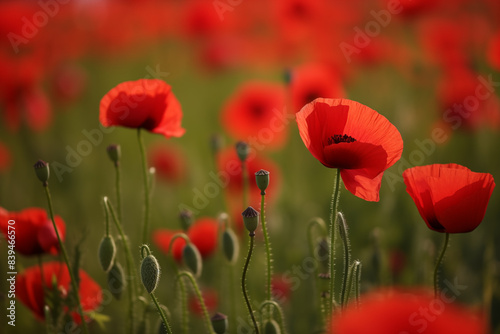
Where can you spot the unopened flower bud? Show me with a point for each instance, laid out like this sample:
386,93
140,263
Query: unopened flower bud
116,280
271,327
243,150
107,252
219,323
186,217
250,219
230,245
262,180
192,259
114,153
216,143
42,171
150,273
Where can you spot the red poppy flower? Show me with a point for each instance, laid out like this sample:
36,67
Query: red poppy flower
311,81
162,238
204,235
230,172
255,113
450,198
5,158
146,103
412,312
29,288
494,51
169,163
68,83
347,135
280,288
211,299
35,233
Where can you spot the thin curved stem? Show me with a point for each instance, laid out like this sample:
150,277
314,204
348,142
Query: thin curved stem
333,220
162,314
243,283
118,192
244,175
344,234
272,303
438,264
145,221
200,298
184,309
128,260
74,286
268,253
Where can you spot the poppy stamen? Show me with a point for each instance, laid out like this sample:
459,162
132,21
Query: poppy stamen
335,139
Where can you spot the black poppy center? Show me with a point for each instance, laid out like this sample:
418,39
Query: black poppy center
336,139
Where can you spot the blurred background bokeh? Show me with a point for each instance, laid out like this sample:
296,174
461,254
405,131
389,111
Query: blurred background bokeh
431,67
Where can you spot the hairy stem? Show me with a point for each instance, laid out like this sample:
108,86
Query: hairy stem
268,253
243,283
145,221
333,228
438,264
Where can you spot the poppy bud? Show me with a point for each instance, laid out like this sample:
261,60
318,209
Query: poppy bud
192,259
242,149
272,327
250,219
116,281
42,171
186,217
150,273
262,180
230,245
219,323
114,153
216,143
107,252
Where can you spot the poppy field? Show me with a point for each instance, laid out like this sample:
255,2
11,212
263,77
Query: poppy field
232,166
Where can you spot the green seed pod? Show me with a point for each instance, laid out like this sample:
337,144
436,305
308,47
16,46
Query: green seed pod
150,273
107,252
192,259
271,327
250,219
219,323
230,245
42,171
186,217
116,280
114,153
262,180
243,150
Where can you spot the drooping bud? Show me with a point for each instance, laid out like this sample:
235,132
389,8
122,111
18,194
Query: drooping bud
186,217
42,171
107,252
192,259
243,150
230,245
271,327
219,323
116,280
262,180
250,219
150,273
114,153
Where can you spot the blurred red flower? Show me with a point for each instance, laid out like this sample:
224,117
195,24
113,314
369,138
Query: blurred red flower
407,311
254,113
450,198
35,233
162,239
68,83
494,51
30,291
280,288
347,135
211,299
169,162
5,158
314,80
146,103
230,172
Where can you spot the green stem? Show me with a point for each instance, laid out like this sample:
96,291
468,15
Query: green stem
200,298
118,192
145,222
184,309
244,175
243,283
128,260
333,220
438,264
347,257
162,314
357,286
268,252
270,304
66,260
